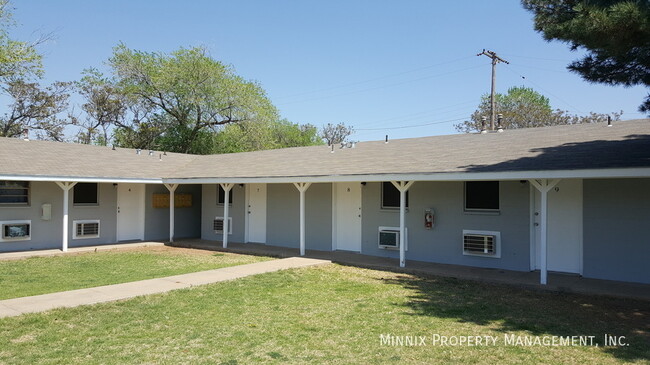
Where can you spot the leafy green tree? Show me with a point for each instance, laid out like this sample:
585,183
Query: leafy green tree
188,95
18,59
524,107
254,136
615,34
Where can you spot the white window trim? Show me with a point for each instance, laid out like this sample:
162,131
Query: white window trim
74,229
10,239
497,243
406,234
229,225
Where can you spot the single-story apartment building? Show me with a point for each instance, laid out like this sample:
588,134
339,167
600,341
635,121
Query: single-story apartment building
569,199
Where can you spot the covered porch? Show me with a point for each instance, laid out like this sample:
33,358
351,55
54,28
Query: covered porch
557,282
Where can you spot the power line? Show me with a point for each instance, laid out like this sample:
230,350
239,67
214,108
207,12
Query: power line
411,126
421,114
381,87
541,88
374,79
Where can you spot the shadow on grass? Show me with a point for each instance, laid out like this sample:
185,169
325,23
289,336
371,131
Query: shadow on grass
510,309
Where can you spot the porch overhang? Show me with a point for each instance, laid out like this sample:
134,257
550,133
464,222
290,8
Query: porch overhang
642,172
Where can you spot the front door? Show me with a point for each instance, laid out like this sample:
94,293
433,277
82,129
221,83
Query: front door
256,213
347,217
564,235
130,212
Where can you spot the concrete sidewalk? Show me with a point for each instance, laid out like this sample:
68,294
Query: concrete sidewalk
109,293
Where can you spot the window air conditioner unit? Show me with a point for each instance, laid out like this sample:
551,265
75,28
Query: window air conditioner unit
389,238
217,225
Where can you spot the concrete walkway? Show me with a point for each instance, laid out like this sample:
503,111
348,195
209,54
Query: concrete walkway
75,250
109,293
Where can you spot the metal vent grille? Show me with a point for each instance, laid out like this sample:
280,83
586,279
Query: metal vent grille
217,225
88,229
479,244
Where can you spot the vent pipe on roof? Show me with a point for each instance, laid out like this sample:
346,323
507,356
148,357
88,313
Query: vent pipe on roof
137,151
332,151
499,123
113,148
386,139
609,121
160,157
483,119
26,134
150,152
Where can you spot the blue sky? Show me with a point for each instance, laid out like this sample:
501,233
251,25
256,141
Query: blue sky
380,66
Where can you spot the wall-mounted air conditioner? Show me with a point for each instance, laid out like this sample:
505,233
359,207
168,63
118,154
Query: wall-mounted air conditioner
217,225
389,238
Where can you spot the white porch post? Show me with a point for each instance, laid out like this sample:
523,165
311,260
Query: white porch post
543,186
172,189
226,211
302,188
66,186
403,187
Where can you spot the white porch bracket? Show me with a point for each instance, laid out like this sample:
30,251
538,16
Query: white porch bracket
66,186
403,187
226,211
544,186
172,189
302,188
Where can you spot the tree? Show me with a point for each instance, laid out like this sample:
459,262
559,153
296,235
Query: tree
37,109
524,108
615,34
18,59
334,134
104,107
254,136
189,96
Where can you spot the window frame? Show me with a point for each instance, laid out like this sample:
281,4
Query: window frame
4,238
381,197
231,194
28,194
76,236
482,210
74,195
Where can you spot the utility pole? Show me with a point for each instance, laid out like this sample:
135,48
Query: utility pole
495,59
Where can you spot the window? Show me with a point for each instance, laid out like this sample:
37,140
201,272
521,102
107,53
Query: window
85,194
14,192
482,243
217,225
15,230
85,229
482,195
390,196
221,196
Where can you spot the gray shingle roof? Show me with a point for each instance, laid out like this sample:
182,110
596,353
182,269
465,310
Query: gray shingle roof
576,147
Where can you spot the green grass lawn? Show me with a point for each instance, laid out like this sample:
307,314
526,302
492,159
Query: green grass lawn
40,275
327,314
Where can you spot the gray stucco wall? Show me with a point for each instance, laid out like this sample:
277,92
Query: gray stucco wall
443,243
47,234
616,246
187,221
283,216
210,210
